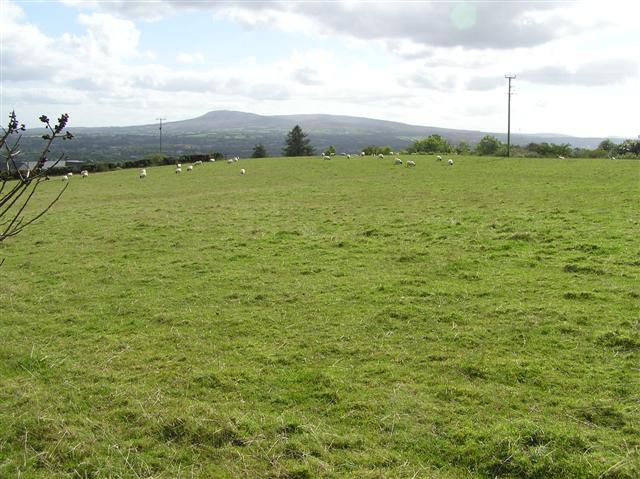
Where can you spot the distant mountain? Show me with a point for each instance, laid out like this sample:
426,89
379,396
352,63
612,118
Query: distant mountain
236,133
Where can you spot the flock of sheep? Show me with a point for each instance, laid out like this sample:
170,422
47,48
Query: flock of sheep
235,159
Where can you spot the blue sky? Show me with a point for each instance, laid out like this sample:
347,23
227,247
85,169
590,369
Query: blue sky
427,63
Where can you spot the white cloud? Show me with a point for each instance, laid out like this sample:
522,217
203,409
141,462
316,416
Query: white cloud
188,58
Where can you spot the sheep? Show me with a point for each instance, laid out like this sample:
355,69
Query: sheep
242,171
65,178
178,170
411,163
212,160
362,153
613,157
348,157
381,156
84,173
230,160
450,161
439,158
326,157
198,163
70,174
560,157
235,159
143,173
179,165
398,161
190,168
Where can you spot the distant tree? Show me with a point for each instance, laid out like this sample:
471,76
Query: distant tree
297,143
376,150
628,147
488,145
259,151
607,145
16,195
431,144
330,151
463,148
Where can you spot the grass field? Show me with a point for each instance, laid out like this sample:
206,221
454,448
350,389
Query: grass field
344,318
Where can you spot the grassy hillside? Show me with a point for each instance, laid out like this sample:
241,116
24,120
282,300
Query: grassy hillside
344,318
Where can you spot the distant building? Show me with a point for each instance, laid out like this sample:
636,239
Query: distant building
28,165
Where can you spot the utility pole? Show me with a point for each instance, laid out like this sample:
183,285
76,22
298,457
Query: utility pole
160,119
510,77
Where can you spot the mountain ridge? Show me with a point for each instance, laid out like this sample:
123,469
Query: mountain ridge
235,133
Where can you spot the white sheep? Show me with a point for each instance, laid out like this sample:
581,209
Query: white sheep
65,178
242,171
398,161
179,165
381,156
362,153
84,173
230,160
198,162
190,168
178,170
326,157
439,158
69,174
143,173
348,157
450,161
411,163
212,160
561,157
235,158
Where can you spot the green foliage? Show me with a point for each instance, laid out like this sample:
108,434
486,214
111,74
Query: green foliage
330,151
550,150
488,145
376,150
463,148
340,319
607,145
297,143
259,151
431,144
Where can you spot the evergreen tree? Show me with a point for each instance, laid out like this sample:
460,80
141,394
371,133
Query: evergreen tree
297,143
259,151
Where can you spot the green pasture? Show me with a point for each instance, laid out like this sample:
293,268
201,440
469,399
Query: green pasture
312,318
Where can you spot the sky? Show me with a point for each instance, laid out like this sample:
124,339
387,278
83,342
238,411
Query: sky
442,64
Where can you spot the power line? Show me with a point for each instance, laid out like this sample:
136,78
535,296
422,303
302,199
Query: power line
161,120
510,77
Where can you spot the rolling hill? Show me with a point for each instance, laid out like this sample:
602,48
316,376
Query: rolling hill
236,133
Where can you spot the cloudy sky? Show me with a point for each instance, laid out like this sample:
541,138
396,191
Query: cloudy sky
439,64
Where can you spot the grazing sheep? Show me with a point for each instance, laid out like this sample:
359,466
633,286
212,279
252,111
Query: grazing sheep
348,157
198,163
178,170
381,156
242,171
70,174
439,158
84,173
450,161
190,168
143,173
613,157
561,157
179,165
235,158
411,163
398,161
212,160
326,157
362,153
65,178
230,160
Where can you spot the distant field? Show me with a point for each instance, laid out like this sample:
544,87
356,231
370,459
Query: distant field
343,318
